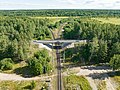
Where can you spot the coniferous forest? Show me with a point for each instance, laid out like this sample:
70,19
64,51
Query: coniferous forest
19,27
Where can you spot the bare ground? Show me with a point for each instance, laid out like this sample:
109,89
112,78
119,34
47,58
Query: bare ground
93,75
15,77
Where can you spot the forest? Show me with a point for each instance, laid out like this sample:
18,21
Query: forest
19,28
16,35
103,44
62,12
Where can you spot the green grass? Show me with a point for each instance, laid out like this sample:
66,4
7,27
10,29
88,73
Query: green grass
118,88
21,85
54,19
73,82
117,79
102,85
109,20
16,66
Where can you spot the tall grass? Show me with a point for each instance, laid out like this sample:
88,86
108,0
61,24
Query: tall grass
74,82
102,85
21,85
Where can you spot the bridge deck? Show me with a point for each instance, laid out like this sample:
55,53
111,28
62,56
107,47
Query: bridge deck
58,41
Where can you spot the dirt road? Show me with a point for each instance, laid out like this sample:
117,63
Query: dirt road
15,77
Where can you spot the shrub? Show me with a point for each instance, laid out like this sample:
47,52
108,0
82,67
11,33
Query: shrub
6,64
39,64
33,84
75,82
35,66
115,62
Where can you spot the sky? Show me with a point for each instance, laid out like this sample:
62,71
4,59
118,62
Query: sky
59,4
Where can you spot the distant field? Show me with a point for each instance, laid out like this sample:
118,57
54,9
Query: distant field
109,20
55,19
51,17
59,17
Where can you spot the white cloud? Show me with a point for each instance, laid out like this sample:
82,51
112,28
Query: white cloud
72,1
68,1
66,4
98,4
21,4
91,3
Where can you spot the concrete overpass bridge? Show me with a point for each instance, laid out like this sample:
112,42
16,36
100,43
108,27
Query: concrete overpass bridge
58,44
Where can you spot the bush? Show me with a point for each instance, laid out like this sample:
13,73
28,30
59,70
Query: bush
75,82
35,66
6,64
115,62
39,64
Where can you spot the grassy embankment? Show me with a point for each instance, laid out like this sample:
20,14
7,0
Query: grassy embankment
74,82
102,85
22,85
117,79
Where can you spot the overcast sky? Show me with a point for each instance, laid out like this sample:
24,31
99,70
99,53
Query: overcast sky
59,4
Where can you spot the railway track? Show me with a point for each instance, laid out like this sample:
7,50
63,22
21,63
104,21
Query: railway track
59,82
59,76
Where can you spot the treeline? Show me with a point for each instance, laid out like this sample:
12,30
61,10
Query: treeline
62,12
103,41
16,34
